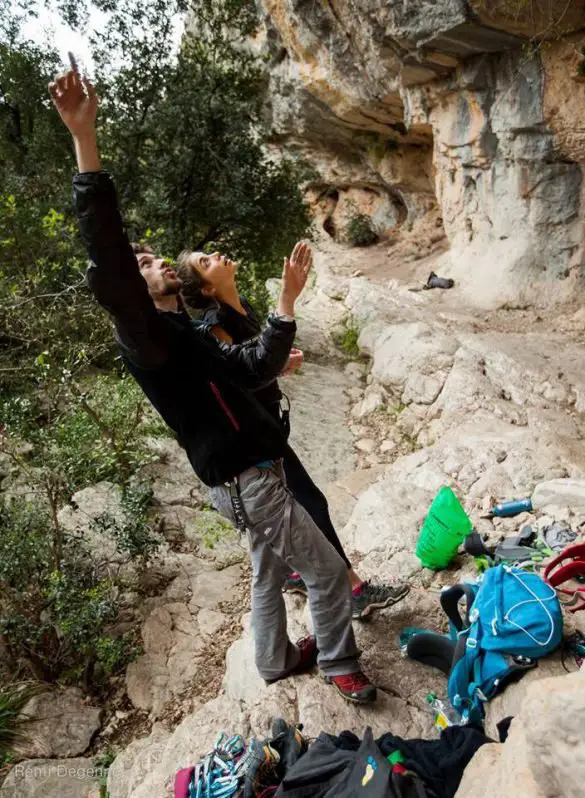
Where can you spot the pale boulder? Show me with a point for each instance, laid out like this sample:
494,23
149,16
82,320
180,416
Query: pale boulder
62,724
560,492
52,778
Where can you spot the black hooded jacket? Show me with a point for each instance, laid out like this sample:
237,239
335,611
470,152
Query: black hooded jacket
201,387
241,330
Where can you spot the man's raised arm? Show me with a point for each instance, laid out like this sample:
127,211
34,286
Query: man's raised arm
113,277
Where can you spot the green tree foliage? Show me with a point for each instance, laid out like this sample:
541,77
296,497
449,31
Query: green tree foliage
183,137
43,304
187,147
60,598
83,434
57,609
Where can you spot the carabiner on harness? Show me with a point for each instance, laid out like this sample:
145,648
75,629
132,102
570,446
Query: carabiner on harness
285,415
237,505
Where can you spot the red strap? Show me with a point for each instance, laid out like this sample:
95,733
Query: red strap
557,574
567,572
574,553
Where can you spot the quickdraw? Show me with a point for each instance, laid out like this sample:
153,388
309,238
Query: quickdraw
220,774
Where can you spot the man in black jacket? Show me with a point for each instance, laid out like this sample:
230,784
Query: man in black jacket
199,387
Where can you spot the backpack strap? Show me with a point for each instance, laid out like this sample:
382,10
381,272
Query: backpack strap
474,545
464,673
432,649
450,603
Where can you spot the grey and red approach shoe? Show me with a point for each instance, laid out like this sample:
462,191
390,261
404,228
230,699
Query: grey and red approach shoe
355,687
374,597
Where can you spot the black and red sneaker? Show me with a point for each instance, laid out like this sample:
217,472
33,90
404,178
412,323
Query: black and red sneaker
308,659
355,687
294,583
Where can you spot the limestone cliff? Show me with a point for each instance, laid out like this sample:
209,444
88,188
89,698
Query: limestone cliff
469,110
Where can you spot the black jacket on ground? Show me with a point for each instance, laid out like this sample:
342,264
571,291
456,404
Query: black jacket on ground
440,763
332,766
201,387
329,771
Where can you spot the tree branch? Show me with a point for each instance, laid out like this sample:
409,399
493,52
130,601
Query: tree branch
38,297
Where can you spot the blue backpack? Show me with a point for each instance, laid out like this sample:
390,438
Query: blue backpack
512,619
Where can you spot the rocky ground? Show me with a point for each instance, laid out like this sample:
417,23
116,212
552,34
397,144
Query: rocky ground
491,404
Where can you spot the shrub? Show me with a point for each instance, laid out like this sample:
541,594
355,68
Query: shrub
85,435
375,144
102,435
14,696
132,531
347,340
360,231
57,610
214,529
104,762
58,604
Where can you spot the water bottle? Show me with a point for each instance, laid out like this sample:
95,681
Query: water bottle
510,509
445,715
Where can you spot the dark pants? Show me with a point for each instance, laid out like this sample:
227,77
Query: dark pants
308,494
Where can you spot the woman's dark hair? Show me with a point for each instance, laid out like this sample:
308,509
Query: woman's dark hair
193,282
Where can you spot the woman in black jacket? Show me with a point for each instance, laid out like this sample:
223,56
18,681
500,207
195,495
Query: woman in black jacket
209,286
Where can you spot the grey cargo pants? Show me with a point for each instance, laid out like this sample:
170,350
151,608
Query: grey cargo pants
283,538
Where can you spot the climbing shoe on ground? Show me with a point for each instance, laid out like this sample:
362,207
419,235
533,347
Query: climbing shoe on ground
294,584
373,597
262,771
354,687
289,742
435,281
308,660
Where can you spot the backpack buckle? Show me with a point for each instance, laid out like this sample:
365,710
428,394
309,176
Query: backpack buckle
471,642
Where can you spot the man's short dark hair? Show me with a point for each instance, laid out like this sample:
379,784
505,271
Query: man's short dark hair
139,247
193,282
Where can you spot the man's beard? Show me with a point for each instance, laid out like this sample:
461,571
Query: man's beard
172,288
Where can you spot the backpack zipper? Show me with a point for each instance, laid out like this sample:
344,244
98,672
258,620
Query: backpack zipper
223,405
